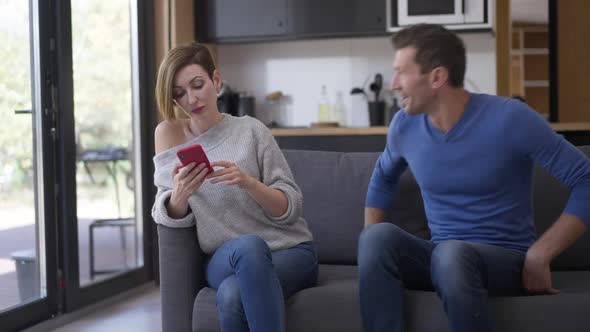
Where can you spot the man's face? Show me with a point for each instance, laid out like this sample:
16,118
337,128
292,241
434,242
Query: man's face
410,82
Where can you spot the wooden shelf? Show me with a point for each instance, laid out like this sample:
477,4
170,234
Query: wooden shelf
530,66
571,126
530,51
536,83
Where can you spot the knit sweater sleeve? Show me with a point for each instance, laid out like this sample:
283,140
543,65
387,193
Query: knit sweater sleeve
277,174
560,158
388,169
164,182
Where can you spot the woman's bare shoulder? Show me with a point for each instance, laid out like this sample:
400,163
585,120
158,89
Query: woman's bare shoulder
169,134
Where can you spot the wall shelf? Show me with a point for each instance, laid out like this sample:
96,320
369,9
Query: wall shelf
530,65
536,84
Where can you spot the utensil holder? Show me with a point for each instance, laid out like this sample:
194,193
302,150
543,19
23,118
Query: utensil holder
376,113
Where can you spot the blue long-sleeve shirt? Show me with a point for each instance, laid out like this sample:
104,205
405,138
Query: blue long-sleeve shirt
476,179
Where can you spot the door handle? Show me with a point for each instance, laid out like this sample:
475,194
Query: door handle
23,112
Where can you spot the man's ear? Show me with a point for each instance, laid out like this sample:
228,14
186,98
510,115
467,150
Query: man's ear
438,77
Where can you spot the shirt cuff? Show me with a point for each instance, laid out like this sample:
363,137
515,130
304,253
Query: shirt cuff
294,205
160,213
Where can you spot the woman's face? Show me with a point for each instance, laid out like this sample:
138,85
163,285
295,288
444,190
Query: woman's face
195,91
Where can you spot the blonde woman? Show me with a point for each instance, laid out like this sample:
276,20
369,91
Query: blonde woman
247,213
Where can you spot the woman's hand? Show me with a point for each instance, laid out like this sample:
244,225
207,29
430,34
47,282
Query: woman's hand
187,180
232,174
273,201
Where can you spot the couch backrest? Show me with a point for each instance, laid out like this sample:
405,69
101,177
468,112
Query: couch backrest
334,186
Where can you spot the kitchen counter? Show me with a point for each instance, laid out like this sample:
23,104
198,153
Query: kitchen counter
571,126
344,131
373,138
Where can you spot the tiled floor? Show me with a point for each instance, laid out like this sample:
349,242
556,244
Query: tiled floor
139,311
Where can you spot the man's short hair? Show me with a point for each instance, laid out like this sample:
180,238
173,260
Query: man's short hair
435,47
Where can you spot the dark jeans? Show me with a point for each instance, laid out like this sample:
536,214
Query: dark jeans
462,274
252,282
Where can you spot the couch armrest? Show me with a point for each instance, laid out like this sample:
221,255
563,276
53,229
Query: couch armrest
181,276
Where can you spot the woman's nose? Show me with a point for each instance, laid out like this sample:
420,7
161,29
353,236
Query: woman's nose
192,97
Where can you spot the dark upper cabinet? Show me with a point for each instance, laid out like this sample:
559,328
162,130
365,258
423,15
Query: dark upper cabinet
370,16
259,20
230,19
335,17
312,17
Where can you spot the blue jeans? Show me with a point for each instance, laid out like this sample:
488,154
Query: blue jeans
252,282
463,274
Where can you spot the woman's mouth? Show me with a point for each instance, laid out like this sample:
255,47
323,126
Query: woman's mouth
198,109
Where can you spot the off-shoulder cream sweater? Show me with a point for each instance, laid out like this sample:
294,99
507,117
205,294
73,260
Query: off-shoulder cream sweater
223,212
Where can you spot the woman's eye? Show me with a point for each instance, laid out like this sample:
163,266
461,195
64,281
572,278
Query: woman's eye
177,95
198,86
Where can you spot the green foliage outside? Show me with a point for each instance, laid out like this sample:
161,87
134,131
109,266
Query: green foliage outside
102,84
15,94
102,72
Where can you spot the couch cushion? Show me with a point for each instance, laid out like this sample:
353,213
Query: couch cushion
333,306
334,186
566,311
330,273
337,281
204,312
520,313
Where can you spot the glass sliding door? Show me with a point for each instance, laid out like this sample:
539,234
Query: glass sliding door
27,179
71,154
103,215
108,240
19,247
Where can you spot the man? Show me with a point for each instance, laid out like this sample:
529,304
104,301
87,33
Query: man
472,156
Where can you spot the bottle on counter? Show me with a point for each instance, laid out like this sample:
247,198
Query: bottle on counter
339,113
324,106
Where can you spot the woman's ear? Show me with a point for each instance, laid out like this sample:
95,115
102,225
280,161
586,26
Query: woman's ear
217,80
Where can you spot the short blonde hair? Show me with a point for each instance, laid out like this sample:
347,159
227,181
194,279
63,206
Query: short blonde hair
176,59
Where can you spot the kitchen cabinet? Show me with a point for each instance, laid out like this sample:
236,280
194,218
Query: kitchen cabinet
222,21
227,19
335,17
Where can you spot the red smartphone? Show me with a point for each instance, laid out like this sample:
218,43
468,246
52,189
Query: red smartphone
196,154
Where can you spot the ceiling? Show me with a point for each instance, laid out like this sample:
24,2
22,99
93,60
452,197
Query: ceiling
530,11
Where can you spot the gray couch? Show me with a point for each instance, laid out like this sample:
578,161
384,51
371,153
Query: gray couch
334,186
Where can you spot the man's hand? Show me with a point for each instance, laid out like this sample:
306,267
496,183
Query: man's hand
536,274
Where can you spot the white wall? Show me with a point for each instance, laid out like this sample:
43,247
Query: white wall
300,68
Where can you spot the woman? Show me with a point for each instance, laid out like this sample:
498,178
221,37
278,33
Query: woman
247,212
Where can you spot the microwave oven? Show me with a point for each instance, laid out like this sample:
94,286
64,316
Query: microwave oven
454,14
